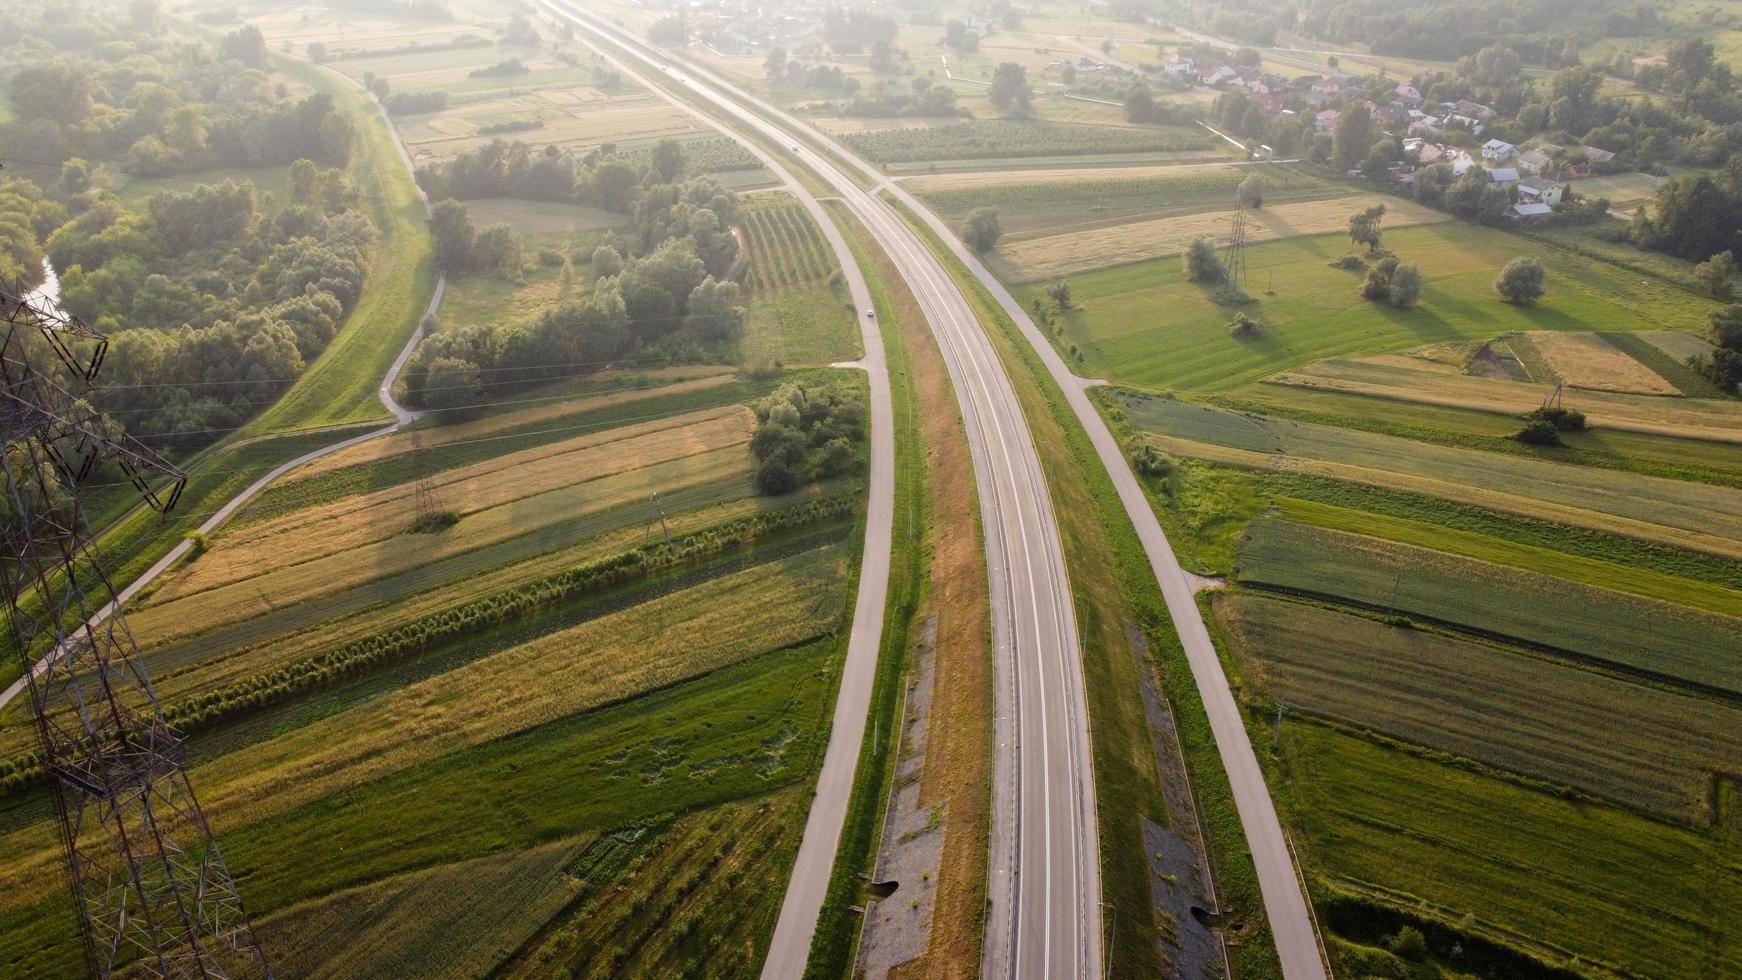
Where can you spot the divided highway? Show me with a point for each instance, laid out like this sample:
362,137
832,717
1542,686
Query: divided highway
1023,556
1045,915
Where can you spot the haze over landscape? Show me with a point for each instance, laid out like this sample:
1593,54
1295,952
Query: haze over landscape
872,489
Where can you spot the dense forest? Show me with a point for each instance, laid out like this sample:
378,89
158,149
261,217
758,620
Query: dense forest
214,297
658,290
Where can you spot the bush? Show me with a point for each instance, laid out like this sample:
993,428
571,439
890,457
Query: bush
1243,327
1409,943
1521,281
1150,461
1406,285
982,230
1563,419
1539,432
804,435
1202,264
1350,261
198,543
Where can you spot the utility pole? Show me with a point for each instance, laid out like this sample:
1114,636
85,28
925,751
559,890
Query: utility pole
151,889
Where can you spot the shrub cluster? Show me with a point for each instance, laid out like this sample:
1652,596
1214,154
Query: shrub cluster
805,435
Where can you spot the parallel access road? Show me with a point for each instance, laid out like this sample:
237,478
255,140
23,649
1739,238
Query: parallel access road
1285,902
1045,915
809,882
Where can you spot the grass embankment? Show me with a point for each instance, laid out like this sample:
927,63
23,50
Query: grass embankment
834,943
1115,589
953,605
340,386
1145,324
1550,721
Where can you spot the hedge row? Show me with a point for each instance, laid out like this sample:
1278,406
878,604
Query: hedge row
416,637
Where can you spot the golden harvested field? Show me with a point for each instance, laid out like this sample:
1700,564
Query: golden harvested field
1395,378
355,521
636,387
576,118
355,30
330,549
1034,259
1582,359
657,643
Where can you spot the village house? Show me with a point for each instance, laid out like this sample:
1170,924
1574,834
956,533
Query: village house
1498,151
1503,176
1541,190
1595,155
1535,161
1326,120
1528,212
1408,95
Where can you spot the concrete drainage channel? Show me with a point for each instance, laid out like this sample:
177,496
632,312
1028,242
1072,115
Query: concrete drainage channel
898,909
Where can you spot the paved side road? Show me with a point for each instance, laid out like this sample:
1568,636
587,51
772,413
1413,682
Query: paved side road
1285,903
1045,919
809,882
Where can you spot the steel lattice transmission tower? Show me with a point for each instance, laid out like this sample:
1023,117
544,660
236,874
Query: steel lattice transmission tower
428,511
1234,263
149,884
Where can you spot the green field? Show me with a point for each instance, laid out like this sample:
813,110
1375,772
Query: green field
1544,720
266,180
797,313
1660,639
1145,324
1563,878
983,139
1671,512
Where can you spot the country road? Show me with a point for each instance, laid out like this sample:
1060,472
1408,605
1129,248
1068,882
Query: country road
1285,902
809,882
1045,914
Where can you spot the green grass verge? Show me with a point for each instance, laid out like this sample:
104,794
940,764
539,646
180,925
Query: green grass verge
1115,588
834,945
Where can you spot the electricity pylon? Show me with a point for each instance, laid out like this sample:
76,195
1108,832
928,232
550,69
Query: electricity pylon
150,886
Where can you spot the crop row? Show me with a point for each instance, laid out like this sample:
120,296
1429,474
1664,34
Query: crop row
1630,632
410,639
709,155
785,247
1548,721
992,138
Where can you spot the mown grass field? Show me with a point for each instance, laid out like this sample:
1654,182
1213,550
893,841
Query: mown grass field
982,139
1051,201
796,313
1563,878
1669,512
1548,721
1144,324
1660,639
1050,256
